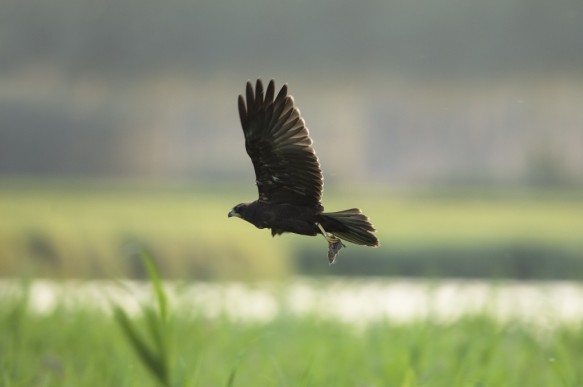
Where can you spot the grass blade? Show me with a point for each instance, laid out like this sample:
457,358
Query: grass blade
231,380
152,347
155,280
149,357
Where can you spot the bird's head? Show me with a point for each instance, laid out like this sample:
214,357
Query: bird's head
239,210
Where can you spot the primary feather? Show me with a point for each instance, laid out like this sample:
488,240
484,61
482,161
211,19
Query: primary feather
287,169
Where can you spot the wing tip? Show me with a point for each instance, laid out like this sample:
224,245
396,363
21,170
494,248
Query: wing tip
259,96
242,108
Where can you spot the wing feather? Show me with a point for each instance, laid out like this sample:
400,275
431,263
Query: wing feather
287,169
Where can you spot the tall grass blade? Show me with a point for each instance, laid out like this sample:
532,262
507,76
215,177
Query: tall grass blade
155,280
158,333
231,380
149,358
152,347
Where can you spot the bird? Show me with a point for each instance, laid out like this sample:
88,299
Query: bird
288,175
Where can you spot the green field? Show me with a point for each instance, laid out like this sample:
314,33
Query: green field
93,230
98,230
82,347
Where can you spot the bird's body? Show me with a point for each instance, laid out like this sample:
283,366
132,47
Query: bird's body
288,174
282,218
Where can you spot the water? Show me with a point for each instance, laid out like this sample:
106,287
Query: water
356,302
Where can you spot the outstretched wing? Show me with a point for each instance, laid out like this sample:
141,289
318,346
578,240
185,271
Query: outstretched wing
276,138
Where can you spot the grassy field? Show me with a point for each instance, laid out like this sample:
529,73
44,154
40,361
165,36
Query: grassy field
82,347
93,230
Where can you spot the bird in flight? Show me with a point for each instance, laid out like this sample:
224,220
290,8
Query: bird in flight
288,174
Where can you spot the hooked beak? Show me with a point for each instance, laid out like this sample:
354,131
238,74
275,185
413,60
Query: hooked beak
233,213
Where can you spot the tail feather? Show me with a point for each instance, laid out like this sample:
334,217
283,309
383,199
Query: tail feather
350,225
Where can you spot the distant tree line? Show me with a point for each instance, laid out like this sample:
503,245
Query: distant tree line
448,37
451,118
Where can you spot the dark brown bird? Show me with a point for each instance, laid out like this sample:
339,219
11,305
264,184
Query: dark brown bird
288,174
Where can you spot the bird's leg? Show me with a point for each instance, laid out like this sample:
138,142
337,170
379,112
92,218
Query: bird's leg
334,244
325,234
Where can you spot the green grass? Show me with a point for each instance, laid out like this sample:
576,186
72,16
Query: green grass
94,229
82,347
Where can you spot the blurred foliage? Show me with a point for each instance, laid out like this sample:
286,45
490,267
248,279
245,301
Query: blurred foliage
512,132
99,229
409,92
447,37
80,346
525,260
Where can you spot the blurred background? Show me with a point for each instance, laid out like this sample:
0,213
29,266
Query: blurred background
455,125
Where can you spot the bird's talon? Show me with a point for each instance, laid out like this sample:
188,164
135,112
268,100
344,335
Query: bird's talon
334,246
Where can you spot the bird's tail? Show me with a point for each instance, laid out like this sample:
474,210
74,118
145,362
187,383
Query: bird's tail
350,225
